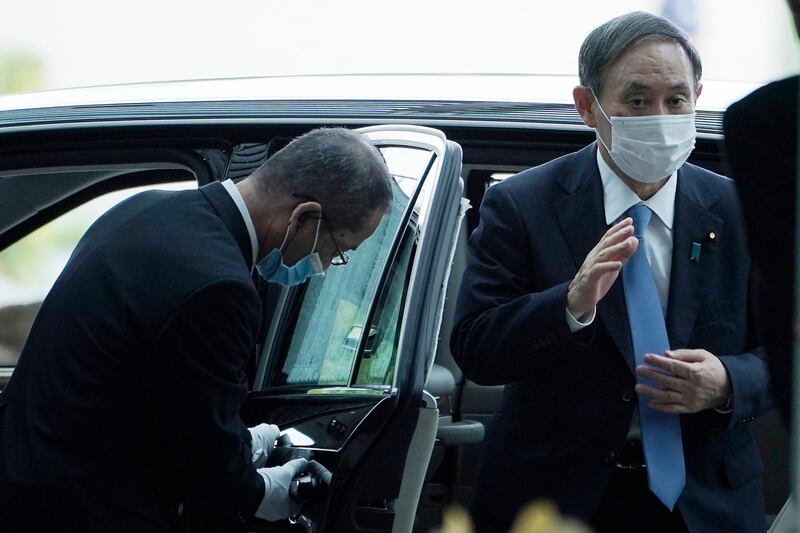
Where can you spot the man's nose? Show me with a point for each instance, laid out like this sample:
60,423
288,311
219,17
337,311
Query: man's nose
660,109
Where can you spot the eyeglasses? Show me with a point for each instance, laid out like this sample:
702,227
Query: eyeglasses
339,258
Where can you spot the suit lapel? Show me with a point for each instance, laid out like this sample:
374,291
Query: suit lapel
692,226
581,216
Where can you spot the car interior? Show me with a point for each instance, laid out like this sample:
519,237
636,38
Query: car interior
331,377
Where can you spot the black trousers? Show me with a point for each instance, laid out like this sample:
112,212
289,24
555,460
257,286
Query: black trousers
628,506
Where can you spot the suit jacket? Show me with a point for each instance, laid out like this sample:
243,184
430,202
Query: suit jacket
569,400
126,397
761,146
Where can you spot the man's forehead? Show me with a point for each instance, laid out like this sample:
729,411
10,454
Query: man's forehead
349,240
649,64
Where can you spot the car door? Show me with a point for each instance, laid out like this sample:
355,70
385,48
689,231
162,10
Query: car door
345,356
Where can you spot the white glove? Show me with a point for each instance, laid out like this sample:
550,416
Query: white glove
263,440
277,503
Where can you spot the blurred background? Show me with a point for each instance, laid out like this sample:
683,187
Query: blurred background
47,44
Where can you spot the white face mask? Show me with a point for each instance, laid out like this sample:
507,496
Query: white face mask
650,148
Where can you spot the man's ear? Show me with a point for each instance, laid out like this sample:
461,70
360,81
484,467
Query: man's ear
584,99
302,213
697,91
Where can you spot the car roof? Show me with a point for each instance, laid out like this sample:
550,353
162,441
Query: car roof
507,88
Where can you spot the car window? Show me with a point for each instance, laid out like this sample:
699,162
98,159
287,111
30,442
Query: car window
376,366
323,349
29,267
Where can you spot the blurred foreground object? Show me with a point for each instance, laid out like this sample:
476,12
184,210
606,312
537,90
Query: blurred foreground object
456,520
537,517
544,517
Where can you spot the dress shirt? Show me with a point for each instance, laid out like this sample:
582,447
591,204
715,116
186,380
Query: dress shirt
617,199
248,221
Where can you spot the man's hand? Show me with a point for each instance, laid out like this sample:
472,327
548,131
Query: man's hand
263,440
690,381
277,503
600,269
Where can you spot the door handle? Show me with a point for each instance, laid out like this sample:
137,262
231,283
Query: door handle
354,336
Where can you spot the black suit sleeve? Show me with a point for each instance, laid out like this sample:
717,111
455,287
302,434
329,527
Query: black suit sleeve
503,330
202,354
748,372
761,154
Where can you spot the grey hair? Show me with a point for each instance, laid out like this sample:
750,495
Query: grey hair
603,46
336,167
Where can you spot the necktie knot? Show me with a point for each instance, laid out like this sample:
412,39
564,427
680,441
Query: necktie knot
641,215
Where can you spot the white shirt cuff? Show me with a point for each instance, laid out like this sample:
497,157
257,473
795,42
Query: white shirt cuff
576,325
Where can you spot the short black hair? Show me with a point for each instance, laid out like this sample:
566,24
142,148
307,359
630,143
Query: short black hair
603,46
336,167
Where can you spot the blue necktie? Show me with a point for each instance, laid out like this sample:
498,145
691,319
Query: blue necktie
661,432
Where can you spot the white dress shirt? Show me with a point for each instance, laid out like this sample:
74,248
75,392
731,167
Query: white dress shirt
617,199
248,221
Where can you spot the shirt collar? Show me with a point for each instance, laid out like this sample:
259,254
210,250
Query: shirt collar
248,221
618,197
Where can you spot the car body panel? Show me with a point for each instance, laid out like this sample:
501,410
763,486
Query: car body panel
379,87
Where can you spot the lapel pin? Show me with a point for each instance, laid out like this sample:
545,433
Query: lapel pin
711,235
695,256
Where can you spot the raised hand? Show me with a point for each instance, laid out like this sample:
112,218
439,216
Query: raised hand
601,268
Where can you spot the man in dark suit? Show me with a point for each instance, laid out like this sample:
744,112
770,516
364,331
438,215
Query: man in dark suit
125,402
608,290
761,150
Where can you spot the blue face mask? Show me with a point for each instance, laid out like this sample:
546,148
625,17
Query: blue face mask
273,269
